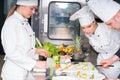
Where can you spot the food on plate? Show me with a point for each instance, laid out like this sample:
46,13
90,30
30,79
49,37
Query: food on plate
78,74
82,70
85,63
84,76
92,77
93,68
85,67
57,66
66,67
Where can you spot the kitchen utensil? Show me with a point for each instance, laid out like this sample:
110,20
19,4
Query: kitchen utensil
101,65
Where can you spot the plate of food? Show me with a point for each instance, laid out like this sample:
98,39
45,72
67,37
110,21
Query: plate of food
82,70
64,78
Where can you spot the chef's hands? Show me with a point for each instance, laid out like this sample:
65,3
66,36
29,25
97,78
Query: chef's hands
107,62
41,64
42,52
111,79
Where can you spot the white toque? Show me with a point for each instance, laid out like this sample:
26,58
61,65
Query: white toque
27,2
104,9
84,15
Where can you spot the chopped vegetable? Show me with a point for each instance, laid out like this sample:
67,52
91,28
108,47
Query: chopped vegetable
92,77
84,76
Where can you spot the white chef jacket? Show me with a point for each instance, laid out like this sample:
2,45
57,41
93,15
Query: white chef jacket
106,42
18,40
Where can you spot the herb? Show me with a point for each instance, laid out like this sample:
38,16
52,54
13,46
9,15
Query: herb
50,47
78,44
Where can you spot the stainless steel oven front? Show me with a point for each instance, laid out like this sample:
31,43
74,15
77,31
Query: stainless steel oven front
51,21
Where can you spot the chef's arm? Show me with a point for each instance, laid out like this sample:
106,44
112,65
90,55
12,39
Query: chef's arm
106,62
116,57
118,53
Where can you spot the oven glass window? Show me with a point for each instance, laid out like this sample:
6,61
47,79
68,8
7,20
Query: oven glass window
59,25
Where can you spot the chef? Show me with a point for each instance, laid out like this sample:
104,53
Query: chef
104,40
18,40
109,12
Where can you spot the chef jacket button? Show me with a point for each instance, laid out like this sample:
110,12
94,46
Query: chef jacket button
30,35
98,35
106,53
87,0
22,23
101,46
31,48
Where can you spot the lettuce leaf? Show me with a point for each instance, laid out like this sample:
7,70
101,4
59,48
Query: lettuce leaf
50,47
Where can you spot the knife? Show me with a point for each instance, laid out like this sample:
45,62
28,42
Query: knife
101,65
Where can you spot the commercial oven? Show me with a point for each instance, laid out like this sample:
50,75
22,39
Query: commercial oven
51,21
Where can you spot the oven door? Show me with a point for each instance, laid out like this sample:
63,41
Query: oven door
59,25
54,24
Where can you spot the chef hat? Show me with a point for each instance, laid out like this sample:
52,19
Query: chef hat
104,9
84,15
27,2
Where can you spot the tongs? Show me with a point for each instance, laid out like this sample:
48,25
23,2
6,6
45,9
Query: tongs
101,65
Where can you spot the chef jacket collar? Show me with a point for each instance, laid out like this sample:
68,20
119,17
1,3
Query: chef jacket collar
21,18
97,31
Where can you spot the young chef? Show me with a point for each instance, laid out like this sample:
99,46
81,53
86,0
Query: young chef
109,12
101,38
18,40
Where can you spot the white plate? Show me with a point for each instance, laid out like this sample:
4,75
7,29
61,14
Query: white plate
85,69
97,76
64,78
